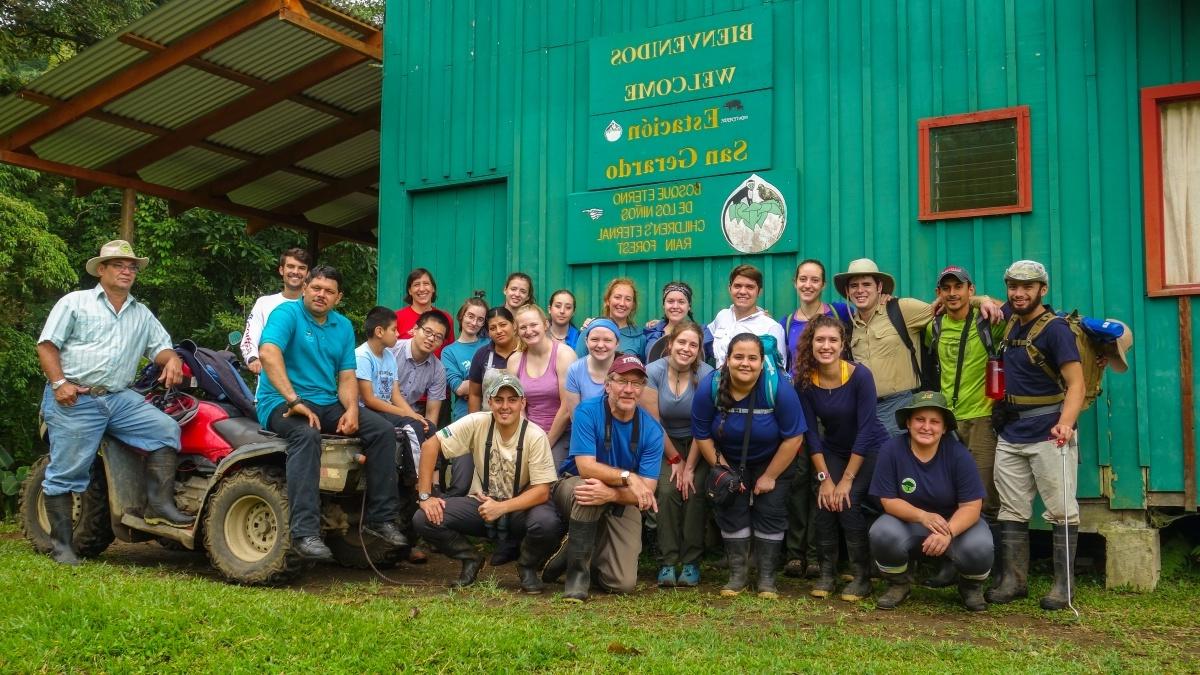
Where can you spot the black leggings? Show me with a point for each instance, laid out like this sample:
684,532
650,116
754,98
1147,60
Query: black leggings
853,520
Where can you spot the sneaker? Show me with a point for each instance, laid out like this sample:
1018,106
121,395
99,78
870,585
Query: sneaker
666,576
690,576
794,568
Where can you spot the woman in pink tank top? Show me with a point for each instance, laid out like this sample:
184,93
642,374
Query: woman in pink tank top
543,391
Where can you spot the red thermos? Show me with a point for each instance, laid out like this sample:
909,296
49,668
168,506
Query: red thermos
994,389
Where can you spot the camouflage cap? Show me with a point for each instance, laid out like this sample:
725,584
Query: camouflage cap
1027,270
501,379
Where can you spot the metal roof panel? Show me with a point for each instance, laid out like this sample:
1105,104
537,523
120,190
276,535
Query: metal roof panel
14,111
271,50
89,143
278,126
274,189
345,159
188,168
356,89
348,209
180,96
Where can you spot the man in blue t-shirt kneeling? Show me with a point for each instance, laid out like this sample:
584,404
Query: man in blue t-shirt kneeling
307,352
616,452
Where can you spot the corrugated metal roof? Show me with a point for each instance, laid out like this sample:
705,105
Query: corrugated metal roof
167,107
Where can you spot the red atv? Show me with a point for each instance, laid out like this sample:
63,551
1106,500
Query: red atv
231,475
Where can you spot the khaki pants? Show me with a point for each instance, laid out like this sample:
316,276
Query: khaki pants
979,437
618,535
1025,468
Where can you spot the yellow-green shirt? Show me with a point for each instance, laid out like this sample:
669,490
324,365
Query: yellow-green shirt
972,403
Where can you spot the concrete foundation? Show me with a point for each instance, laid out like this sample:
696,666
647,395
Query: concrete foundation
1132,555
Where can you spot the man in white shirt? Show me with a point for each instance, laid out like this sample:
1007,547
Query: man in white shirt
293,269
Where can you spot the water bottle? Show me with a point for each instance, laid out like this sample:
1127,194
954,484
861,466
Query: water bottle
994,388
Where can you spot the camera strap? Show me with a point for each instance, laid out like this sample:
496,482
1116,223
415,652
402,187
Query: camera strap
487,458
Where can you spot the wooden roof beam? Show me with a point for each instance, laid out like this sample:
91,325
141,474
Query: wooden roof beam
306,147
327,12
230,74
341,188
183,197
140,73
371,47
243,107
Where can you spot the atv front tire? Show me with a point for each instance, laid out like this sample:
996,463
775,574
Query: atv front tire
92,524
246,528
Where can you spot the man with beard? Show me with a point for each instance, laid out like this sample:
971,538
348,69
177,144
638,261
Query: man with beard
1037,426
310,388
293,266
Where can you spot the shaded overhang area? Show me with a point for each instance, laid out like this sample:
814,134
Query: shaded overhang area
266,110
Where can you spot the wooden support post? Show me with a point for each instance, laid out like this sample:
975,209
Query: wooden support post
128,207
1188,402
314,246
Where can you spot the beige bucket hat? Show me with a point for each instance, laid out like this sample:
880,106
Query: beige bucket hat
1116,349
861,268
117,248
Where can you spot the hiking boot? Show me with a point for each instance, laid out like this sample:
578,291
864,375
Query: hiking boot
946,575
768,553
860,567
738,552
58,511
1014,537
666,576
312,548
456,546
581,544
690,575
160,491
1065,539
387,532
795,568
897,590
971,592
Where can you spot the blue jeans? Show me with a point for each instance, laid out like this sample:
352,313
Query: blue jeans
886,407
76,430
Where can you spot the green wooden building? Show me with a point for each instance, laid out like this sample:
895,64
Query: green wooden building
579,140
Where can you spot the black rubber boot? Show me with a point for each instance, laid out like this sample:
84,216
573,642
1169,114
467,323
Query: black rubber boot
1064,568
581,544
160,491
769,553
860,566
827,550
1014,538
58,511
997,575
738,552
971,592
529,562
454,545
946,575
898,587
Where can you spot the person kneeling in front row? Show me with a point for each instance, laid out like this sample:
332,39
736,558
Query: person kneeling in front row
510,487
932,496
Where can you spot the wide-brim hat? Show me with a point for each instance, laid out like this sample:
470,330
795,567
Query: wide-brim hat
113,250
1116,349
863,267
927,399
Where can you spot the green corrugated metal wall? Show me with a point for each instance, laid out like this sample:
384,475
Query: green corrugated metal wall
485,109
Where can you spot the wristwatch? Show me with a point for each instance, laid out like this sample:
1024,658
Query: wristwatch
821,476
57,383
423,496
625,478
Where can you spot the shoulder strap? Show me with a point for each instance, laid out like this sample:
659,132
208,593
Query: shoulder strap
608,422
487,456
962,350
984,328
897,318
937,330
746,436
520,451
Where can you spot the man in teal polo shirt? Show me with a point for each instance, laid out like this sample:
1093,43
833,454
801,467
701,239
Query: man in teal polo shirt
307,352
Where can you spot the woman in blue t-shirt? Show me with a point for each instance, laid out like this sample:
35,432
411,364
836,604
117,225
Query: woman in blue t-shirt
456,356
841,395
767,451
932,496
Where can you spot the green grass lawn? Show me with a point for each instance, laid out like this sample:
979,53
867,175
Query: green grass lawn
118,616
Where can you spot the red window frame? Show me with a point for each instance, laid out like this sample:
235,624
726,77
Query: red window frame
1024,186
1152,186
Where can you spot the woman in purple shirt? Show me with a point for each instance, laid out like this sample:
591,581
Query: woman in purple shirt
841,395
542,370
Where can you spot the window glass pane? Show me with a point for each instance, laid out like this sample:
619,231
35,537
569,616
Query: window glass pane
1181,191
973,166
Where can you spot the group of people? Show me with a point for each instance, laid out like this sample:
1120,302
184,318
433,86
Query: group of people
793,437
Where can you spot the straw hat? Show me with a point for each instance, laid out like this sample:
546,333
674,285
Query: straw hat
861,268
113,250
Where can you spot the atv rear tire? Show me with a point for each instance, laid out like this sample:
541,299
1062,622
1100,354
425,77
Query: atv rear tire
92,524
246,528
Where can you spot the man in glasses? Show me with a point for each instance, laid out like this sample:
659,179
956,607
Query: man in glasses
89,351
607,481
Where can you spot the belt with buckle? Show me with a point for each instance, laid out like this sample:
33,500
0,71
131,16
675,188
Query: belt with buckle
92,391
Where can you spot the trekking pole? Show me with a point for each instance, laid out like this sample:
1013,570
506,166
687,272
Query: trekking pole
1062,450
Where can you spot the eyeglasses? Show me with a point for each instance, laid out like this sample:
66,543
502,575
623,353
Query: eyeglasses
621,384
124,267
433,334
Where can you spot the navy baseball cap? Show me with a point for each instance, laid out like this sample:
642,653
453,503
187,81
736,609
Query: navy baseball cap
956,272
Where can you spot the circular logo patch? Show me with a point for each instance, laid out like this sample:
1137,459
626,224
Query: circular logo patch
908,485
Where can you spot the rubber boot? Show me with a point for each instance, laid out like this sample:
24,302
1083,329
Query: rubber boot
897,590
1014,538
946,575
1064,568
738,551
58,511
581,545
454,545
971,592
826,569
860,566
769,553
556,564
997,576
160,491
529,562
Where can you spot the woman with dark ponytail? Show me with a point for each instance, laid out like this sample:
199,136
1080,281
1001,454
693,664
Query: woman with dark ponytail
725,401
841,396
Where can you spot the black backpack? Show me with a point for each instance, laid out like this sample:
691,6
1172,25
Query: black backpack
924,363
